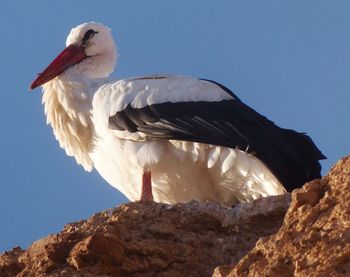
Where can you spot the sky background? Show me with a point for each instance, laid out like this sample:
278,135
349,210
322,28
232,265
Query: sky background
289,60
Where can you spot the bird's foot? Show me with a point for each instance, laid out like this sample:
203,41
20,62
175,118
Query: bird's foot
146,190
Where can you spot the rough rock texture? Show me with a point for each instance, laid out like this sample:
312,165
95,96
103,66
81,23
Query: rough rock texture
191,239
150,240
9,265
315,237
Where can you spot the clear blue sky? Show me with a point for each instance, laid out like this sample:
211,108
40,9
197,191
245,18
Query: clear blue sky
290,60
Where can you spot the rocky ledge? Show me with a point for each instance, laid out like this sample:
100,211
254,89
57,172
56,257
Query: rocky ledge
314,239
309,236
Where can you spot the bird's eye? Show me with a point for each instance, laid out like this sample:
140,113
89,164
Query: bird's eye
89,34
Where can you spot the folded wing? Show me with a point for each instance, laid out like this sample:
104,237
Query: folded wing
291,156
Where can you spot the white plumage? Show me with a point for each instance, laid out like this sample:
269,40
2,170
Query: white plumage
81,104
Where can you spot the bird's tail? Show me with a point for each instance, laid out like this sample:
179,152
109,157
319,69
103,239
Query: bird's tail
309,167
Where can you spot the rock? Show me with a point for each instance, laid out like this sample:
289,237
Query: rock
314,239
9,265
150,239
193,239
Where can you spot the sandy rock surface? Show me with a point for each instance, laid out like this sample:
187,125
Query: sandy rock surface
315,237
138,239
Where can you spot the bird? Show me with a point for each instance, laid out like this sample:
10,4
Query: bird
166,138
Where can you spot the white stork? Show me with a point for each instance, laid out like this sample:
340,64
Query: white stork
167,138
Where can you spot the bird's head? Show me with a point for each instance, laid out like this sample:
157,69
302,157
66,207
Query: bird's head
90,53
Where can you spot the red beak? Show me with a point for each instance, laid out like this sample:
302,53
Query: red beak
67,58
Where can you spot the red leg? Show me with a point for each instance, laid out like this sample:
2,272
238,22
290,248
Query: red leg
146,191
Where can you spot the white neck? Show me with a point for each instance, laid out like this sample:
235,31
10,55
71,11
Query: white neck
68,106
